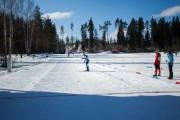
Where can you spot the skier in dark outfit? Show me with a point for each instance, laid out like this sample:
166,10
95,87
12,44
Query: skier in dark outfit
157,63
170,64
86,61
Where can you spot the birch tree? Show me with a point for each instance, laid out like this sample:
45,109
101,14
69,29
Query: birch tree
27,11
12,12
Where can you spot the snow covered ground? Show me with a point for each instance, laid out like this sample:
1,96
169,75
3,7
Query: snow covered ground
118,87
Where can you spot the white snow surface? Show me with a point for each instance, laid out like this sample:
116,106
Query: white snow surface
117,87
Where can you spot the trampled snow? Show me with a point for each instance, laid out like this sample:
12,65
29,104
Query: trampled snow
117,87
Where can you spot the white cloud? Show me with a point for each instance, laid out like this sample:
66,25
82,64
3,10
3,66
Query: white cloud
169,12
58,15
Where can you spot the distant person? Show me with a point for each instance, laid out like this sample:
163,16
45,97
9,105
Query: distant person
69,54
33,56
47,56
157,63
170,64
86,61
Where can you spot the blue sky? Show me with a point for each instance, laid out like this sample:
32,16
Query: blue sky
65,12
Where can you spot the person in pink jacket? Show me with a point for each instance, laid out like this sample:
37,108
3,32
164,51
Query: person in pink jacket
157,63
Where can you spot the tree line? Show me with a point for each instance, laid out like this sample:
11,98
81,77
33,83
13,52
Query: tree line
138,36
23,30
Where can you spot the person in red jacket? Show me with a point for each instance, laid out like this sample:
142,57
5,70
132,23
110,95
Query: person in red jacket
157,63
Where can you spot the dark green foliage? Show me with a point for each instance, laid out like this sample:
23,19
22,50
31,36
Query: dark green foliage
147,41
140,36
85,42
104,29
91,34
154,33
104,40
77,43
1,34
132,33
44,36
37,40
120,35
49,35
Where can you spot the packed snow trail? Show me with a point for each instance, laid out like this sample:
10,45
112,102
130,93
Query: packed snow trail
67,75
61,89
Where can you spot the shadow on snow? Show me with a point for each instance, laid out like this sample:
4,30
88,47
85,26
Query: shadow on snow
34,105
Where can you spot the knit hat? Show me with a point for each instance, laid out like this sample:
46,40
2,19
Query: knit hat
156,51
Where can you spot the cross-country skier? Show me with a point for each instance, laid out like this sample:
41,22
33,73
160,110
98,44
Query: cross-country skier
170,64
157,63
86,61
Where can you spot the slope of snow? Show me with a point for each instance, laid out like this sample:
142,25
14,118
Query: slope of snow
118,86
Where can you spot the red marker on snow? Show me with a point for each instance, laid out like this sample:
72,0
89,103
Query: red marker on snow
177,82
138,73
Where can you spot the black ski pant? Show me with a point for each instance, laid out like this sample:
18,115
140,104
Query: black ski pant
157,69
170,71
87,65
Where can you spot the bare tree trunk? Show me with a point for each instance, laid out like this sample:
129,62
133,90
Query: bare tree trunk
29,26
32,31
5,34
4,6
10,35
22,7
27,37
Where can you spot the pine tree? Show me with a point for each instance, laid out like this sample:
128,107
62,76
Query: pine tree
161,33
49,36
84,42
91,34
176,32
72,28
132,35
67,40
104,40
62,31
38,25
140,29
154,33
18,37
120,35
168,42
147,35
77,44
96,40
104,30
106,25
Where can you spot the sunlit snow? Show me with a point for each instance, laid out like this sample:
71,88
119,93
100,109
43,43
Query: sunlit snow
117,87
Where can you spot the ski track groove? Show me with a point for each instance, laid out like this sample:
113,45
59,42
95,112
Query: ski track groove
34,82
154,89
120,79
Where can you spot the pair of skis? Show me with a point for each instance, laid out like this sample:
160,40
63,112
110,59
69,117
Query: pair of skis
155,76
